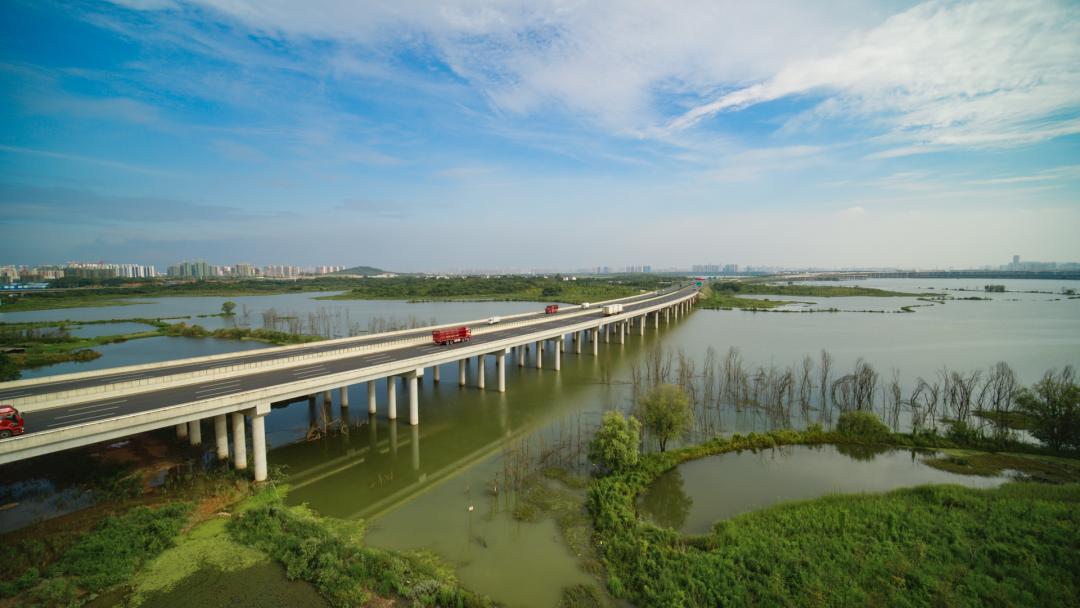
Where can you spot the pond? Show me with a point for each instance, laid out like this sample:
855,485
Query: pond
695,494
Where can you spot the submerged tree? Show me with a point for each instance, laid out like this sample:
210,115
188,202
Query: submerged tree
227,308
665,412
1054,407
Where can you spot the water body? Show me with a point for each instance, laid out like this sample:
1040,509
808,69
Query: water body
414,484
145,350
98,330
696,494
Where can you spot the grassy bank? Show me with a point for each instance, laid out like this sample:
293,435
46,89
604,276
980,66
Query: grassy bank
934,545
526,289
49,343
806,291
330,554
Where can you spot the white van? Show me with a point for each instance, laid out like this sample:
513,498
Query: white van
493,320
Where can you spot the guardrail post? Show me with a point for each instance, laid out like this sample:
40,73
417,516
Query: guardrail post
239,441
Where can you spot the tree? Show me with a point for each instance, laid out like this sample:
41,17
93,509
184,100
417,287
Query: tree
9,370
227,308
1054,407
614,448
665,412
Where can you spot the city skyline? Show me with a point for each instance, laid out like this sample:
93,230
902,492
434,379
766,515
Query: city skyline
538,135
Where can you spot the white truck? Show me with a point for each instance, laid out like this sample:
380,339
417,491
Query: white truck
612,309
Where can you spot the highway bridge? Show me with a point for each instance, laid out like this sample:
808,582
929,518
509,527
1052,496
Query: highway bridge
236,390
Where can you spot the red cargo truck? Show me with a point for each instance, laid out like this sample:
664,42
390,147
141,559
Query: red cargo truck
551,309
450,336
11,423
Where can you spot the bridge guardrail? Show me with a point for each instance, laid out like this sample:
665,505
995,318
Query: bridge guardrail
70,397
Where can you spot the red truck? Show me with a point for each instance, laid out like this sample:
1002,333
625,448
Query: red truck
450,336
11,422
551,309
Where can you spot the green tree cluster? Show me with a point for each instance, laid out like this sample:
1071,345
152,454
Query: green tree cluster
665,412
614,448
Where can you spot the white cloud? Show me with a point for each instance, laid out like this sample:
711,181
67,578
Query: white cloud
976,74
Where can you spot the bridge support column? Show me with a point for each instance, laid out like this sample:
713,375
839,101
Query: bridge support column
607,333
195,432
239,442
622,332
521,355
414,399
258,440
540,354
181,430
371,396
562,343
558,353
435,374
480,371
641,324
500,370
343,396
656,320
578,337
461,371
327,399
221,436
391,398
596,341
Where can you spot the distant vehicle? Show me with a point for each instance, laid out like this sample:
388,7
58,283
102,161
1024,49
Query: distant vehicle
612,309
585,305
11,422
494,320
551,309
451,336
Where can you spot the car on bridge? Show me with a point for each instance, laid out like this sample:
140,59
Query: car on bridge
11,422
551,309
453,335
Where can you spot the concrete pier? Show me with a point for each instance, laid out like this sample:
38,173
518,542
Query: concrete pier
596,341
480,371
391,398
221,436
181,430
558,353
461,371
239,441
641,325
343,396
540,354
500,370
521,355
195,432
414,399
371,396
435,374
258,440
578,337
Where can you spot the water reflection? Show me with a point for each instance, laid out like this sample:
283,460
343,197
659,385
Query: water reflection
666,503
719,487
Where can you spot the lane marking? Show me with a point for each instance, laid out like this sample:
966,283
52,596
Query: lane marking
221,383
92,405
74,422
88,412
225,392
6,396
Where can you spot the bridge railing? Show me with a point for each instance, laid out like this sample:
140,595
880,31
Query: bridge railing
125,387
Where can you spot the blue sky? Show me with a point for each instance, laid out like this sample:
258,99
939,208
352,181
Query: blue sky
540,134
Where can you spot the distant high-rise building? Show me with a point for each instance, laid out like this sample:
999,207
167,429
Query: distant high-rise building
1016,260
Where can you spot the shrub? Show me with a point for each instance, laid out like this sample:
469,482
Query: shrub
1054,407
614,448
862,425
